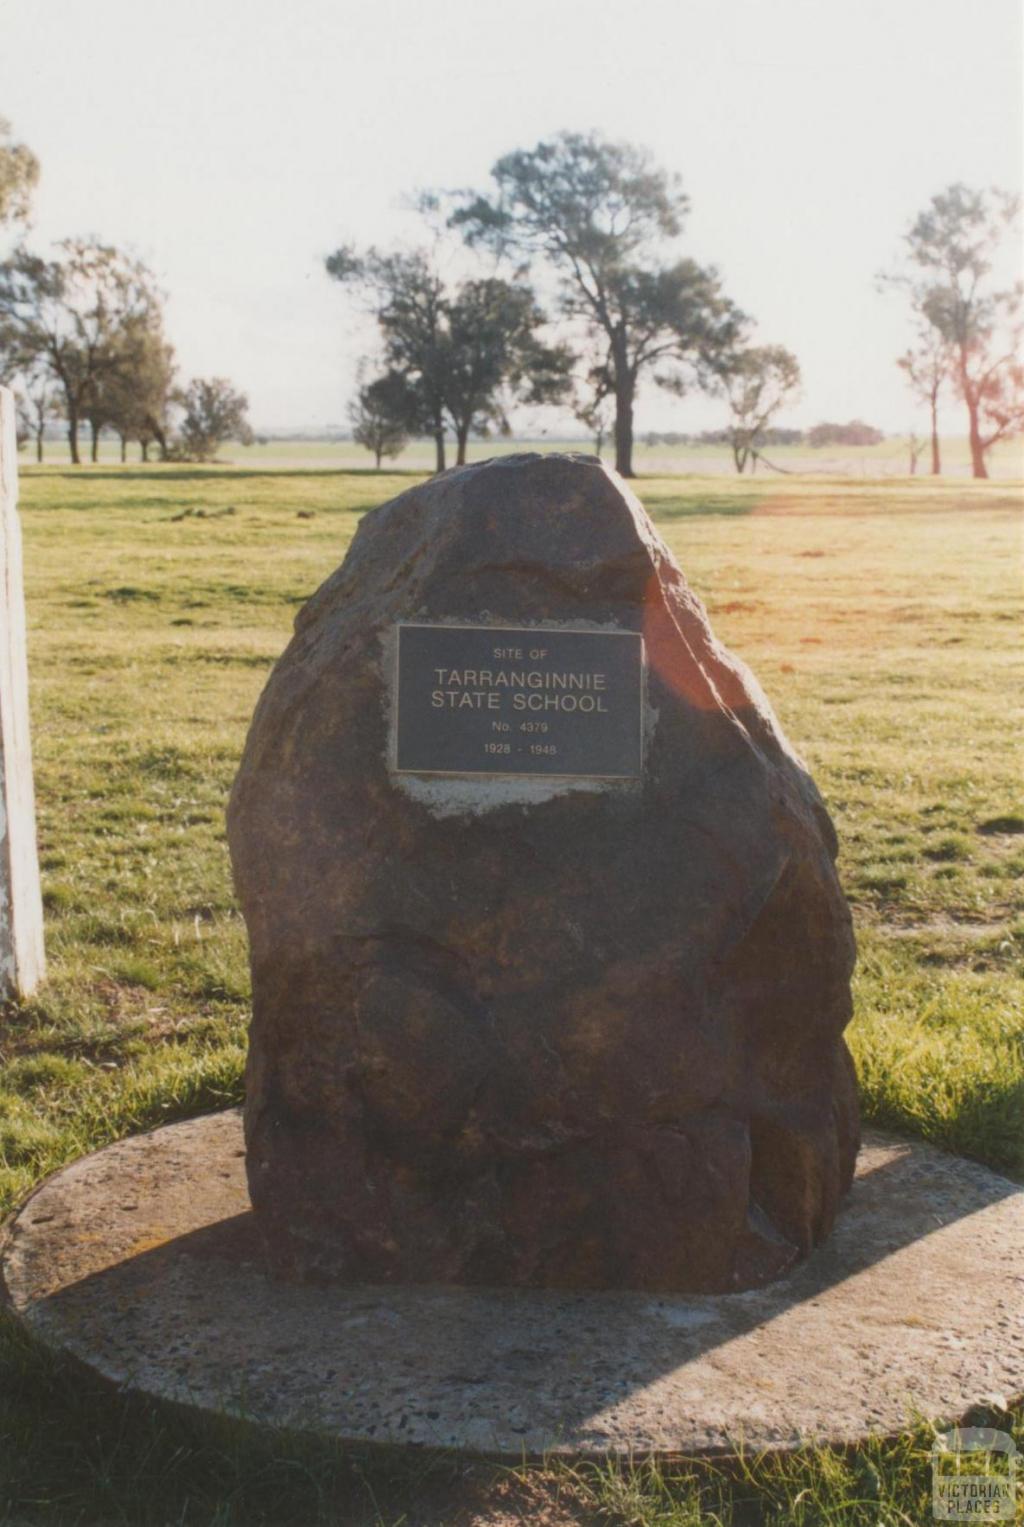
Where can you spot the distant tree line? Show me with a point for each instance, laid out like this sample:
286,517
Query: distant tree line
82,341
854,433
82,336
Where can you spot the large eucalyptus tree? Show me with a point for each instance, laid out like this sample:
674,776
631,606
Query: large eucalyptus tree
607,219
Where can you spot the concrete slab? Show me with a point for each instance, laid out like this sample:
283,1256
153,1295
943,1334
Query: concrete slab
142,1262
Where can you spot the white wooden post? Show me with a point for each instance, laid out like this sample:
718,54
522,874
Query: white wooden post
21,908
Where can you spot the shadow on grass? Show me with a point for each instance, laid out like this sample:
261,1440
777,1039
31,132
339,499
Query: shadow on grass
722,504
987,1125
78,1449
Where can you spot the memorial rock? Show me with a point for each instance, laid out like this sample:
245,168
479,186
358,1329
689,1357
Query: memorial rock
550,960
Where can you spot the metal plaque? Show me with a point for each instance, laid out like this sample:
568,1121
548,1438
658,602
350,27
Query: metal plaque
519,700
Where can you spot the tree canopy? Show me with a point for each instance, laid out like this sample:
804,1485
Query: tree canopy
136,398
38,401
381,415
495,353
73,313
82,338
19,175
927,365
950,273
461,353
756,383
604,216
408,298
593,404
214,411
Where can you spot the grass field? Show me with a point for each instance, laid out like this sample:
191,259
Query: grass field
882,617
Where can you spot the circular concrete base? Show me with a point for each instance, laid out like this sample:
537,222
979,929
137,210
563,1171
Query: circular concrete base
142,1262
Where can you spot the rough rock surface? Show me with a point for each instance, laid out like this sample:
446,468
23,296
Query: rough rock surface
591,1038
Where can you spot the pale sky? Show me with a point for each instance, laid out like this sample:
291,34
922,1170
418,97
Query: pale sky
234,143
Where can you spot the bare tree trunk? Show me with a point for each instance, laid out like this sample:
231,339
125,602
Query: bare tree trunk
598,443
624,428
978,467
936,462
462,440
143,450
625,391
377,453
94,454
970,397
73,439
439,450
39,444
124,448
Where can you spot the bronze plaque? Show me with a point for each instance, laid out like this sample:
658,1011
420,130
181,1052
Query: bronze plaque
519,700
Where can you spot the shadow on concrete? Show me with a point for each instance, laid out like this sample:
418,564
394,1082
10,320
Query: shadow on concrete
520,1371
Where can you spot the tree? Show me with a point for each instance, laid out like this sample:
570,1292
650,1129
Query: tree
97,415
407,295
135,399
593,404
914,449
461,354
39,401
380,414
19,174
71,314
213,412
601,213
494,353
22,424
953,247
154,394
756,383
926,366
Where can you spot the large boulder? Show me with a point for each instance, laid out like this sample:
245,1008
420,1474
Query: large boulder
527,1029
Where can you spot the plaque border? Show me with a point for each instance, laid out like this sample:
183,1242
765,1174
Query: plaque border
462,625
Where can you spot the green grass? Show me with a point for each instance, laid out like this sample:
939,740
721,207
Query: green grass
881,617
